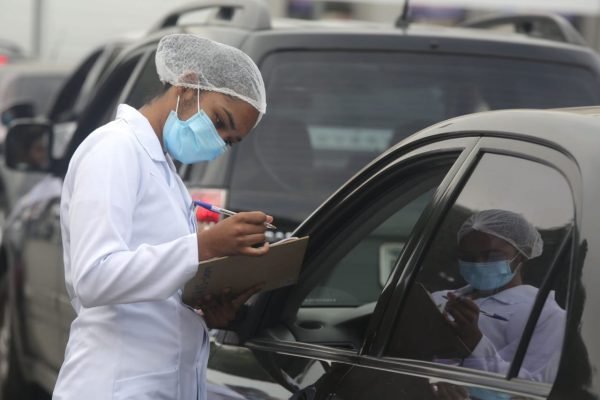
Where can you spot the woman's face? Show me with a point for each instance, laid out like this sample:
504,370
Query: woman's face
233,118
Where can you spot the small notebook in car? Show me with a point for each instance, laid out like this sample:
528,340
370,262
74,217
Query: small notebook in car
279,267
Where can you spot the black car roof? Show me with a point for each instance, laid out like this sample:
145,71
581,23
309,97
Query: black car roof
574,131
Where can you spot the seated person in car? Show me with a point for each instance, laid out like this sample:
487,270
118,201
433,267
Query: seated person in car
490,313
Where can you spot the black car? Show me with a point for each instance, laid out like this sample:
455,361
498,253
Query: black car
339,94
357,325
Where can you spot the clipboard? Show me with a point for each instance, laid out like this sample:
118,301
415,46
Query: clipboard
279,267
422,332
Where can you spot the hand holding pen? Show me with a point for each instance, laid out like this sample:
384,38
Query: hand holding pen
487,314
223,211
236,235
465,319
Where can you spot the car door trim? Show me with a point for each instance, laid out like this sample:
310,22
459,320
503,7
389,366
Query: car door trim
422,369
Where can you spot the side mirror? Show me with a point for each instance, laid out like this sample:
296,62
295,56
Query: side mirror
17,111
28,145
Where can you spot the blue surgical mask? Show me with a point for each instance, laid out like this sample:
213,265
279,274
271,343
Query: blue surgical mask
487,275
193,140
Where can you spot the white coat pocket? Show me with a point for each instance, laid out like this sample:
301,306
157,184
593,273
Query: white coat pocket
155,386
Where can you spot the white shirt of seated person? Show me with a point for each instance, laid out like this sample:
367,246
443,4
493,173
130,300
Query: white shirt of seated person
491,312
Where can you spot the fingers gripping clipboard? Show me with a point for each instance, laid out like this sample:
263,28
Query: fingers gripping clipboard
279,267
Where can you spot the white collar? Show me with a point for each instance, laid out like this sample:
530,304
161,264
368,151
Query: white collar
143,131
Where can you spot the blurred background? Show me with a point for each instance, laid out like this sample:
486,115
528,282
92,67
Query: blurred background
63,31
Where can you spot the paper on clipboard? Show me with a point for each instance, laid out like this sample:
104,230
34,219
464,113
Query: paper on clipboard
279,267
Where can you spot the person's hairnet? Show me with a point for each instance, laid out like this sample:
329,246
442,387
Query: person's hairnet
194,62
508,226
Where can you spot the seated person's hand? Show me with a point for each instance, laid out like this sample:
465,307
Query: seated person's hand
218,311
465,319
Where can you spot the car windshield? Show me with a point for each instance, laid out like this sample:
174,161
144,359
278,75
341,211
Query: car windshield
330,114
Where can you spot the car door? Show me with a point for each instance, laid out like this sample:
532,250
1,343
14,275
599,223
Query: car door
305,337
33,236
404,360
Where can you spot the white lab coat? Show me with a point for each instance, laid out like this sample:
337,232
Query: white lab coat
129,237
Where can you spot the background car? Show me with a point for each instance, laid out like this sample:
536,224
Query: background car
28,89
32,91
343,92
10,52
339,94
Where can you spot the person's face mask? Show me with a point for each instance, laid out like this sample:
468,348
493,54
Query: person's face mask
487,275
193,140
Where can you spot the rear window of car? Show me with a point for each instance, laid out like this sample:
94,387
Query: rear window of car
330,113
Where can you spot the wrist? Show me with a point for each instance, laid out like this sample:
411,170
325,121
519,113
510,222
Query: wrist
204,246
474,340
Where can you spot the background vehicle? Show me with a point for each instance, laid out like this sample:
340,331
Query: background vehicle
21,189
27,89
62,107
340,93
10,52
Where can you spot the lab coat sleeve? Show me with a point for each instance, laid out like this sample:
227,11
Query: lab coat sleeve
540,363
106,183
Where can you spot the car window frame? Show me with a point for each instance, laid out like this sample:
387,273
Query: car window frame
501,143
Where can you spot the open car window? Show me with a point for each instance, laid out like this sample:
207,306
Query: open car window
338,292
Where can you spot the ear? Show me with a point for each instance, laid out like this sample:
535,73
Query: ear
179,90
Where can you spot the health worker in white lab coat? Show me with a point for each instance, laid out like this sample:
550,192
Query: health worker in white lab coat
129,231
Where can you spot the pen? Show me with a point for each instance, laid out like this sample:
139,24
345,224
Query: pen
487,314
223,211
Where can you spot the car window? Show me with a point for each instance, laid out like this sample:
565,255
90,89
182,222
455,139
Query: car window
480,277
62,109
102,107
338,295
118,85
329,113
146,85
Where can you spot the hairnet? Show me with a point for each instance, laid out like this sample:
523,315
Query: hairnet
192,61
508,226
